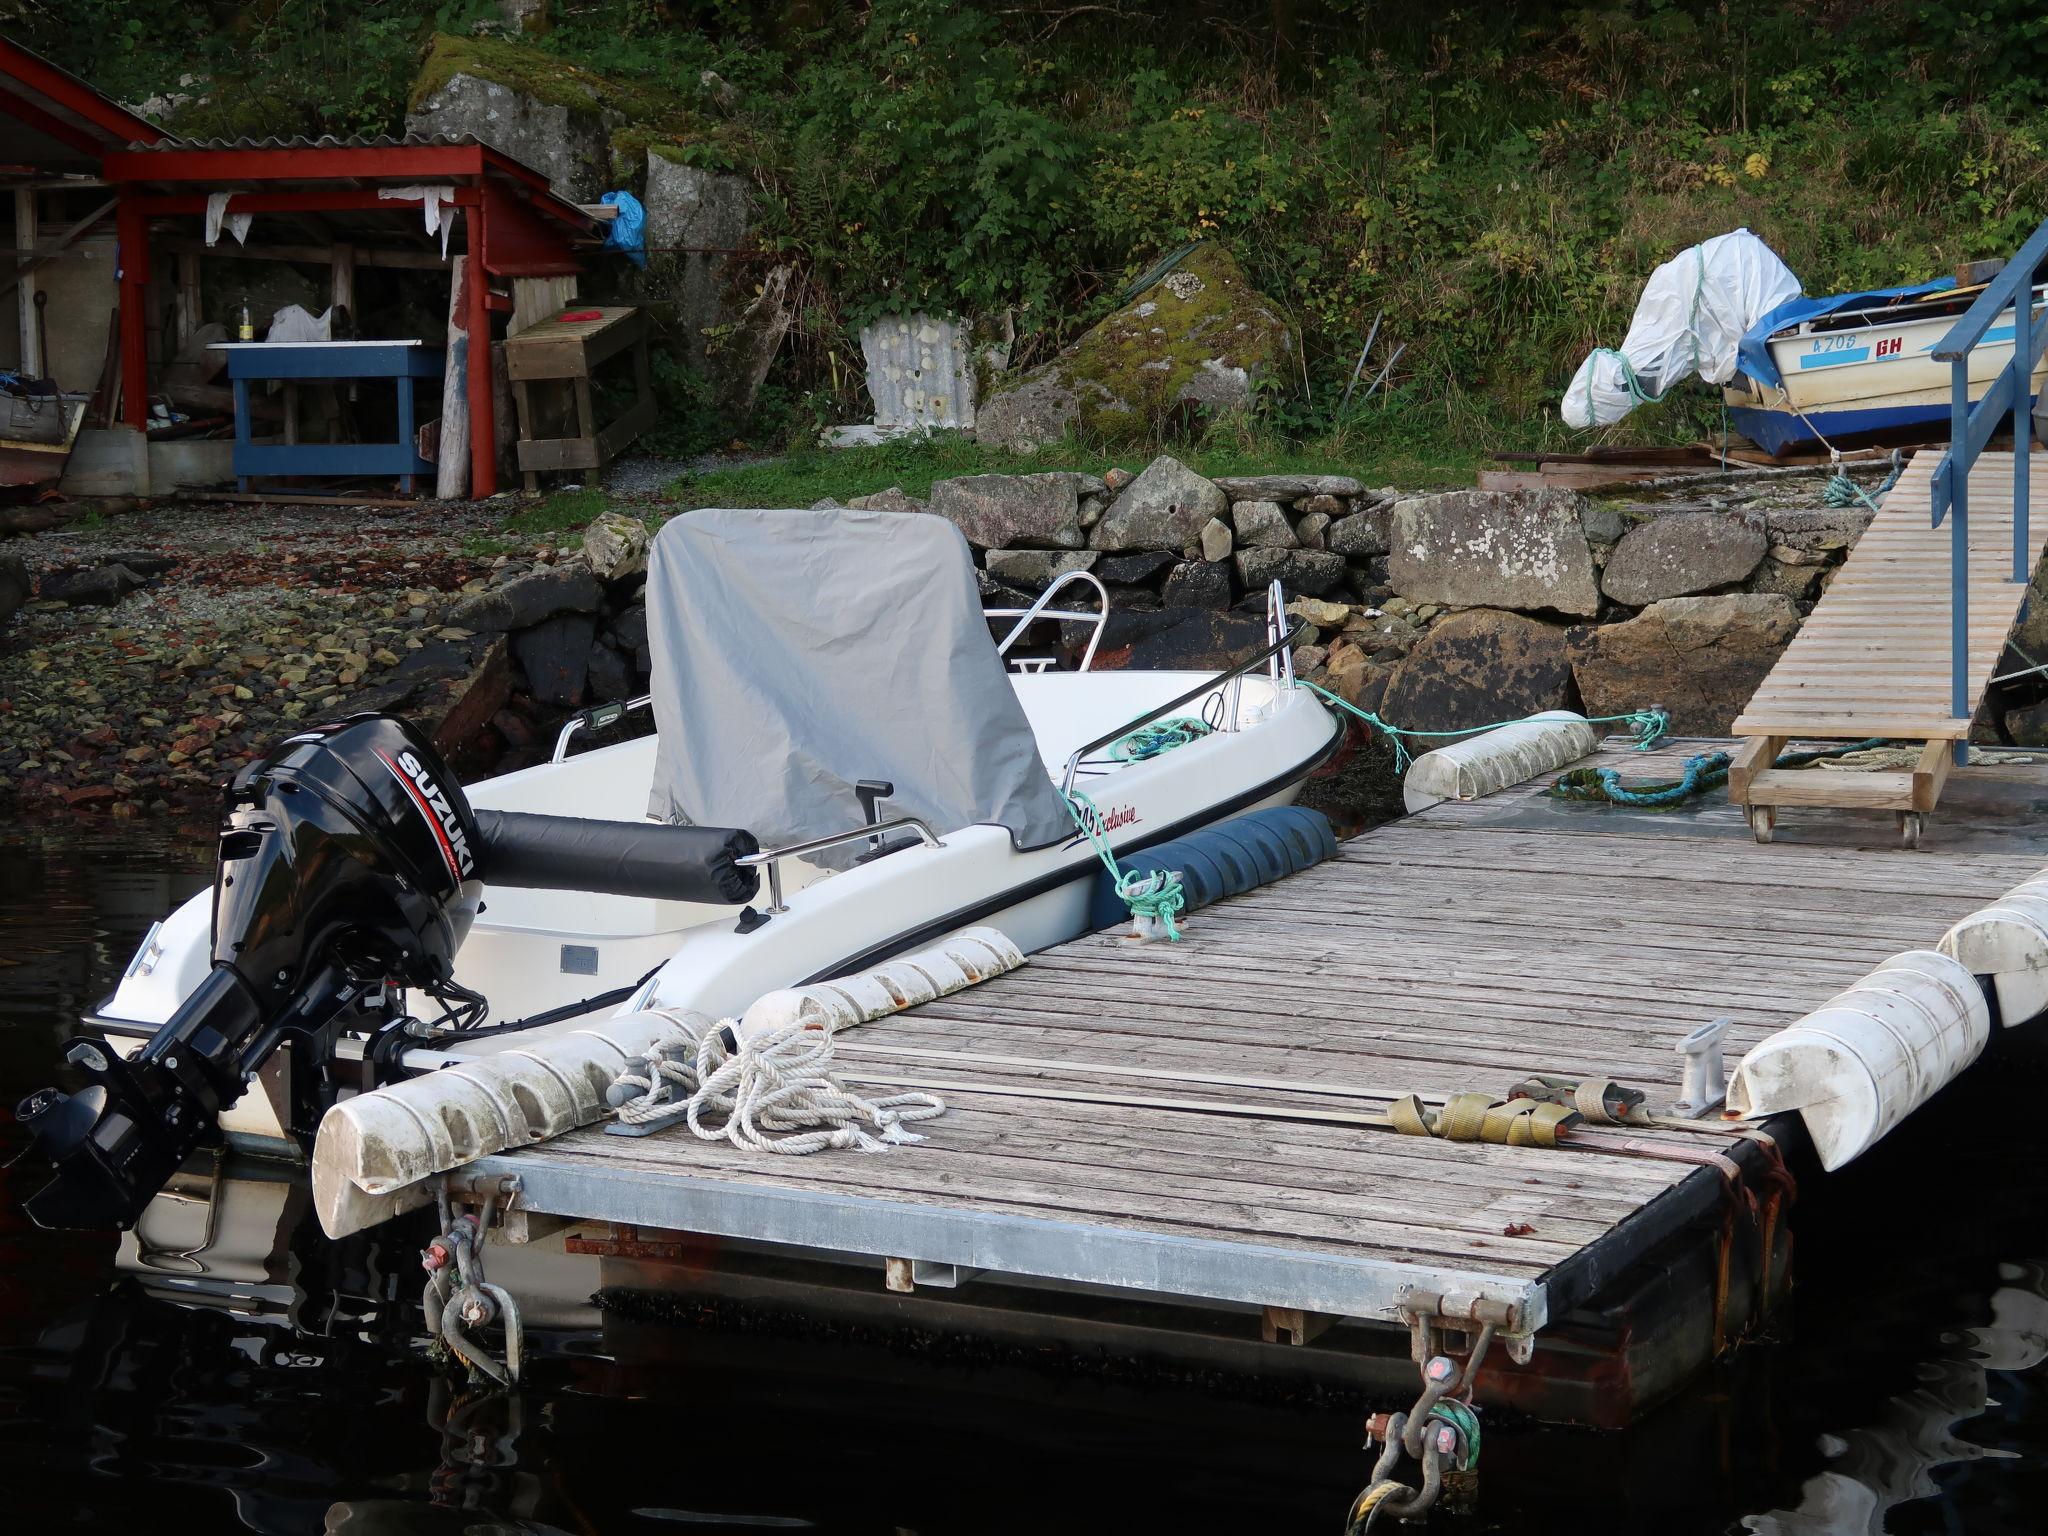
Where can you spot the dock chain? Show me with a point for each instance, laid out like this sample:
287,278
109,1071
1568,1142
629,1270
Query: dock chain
1439,1435
459,1302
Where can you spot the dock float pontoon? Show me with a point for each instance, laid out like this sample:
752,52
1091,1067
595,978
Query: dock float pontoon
1161,1143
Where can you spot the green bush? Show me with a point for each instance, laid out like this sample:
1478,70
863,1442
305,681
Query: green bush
1497,180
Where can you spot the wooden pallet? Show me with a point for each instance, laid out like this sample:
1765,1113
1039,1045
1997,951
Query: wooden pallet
1873,659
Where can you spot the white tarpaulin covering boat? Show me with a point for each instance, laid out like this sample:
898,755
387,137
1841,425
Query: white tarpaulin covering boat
1691,319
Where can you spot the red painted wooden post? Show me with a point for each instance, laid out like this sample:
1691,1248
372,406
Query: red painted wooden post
132,229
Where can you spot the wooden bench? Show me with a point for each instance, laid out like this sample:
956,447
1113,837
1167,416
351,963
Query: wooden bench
565,351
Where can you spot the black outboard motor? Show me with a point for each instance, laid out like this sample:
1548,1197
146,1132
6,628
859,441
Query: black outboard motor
350,867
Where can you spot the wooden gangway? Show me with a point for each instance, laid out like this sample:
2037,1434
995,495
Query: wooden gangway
1874,659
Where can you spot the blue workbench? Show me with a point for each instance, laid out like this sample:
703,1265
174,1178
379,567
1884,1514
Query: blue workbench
309,362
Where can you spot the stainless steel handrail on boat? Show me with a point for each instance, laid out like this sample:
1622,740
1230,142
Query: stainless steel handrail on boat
1025,617
1221,680
875,831
595,718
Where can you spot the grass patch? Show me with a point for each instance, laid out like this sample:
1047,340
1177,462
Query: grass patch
561,512
1412,444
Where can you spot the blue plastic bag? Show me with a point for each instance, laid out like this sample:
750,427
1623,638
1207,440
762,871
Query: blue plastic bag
627,232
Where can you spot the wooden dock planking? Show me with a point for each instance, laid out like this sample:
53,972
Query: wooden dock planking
1461,949
1873,659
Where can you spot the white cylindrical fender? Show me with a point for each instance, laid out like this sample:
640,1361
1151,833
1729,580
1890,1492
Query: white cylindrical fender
969,956
1868,1057
1497,759
2008,943
374,1149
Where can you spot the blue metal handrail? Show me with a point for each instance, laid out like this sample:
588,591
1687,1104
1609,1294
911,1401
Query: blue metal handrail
1972,426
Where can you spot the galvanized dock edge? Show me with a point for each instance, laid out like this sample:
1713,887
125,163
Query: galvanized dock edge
1042,1248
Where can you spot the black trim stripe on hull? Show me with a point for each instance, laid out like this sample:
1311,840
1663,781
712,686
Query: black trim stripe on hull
988,907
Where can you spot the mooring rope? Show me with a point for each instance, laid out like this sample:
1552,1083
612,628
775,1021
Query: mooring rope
1646,726
1841,491
771,1093
1156,897
1702,772
1161,736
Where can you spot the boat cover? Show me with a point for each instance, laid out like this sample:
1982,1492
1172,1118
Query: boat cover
1755,351
1692,317
796,653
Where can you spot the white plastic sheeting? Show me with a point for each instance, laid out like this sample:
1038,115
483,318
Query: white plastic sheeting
2007,942
1868,1057
1497,759
1691,318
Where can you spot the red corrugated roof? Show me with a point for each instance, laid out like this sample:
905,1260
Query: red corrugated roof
50,120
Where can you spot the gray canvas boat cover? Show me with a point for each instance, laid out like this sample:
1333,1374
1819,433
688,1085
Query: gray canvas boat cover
796,653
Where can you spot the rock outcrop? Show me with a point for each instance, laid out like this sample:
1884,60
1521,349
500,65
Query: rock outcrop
1525,550
690,206
1698,657
1478,668
1680,556
1197,339
541,110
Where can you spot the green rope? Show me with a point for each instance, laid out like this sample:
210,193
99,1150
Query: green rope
1841,491
1464,1418
1707,770
1646,725
1160,736
1158,895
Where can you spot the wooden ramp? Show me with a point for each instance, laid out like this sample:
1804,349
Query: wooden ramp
1873,660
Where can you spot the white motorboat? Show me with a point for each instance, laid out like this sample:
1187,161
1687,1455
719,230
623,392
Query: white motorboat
826,681
1849,365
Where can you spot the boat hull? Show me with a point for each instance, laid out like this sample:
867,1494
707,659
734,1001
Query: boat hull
1861,381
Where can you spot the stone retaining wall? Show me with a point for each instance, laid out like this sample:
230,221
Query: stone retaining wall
1442,611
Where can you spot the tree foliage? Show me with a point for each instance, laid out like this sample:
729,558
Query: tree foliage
1499,180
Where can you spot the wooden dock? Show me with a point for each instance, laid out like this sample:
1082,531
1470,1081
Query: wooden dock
1167,1122
1873,659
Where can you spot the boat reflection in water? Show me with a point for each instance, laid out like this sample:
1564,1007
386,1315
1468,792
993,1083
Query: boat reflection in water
238,1351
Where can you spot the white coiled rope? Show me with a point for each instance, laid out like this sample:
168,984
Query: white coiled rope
772,1092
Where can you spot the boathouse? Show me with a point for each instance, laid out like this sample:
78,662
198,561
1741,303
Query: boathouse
120,230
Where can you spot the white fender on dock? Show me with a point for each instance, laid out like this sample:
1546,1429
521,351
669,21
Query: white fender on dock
2008,943
972,955
1868,1057
1497,759
376,1151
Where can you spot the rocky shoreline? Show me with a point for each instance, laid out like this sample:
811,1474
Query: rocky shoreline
157,651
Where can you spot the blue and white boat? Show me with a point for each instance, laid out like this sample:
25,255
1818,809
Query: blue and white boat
1851,365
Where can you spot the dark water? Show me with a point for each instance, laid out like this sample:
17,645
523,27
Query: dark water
1905,1392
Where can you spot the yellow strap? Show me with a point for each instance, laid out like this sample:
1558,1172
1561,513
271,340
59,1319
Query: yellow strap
1407,1116
1463,1117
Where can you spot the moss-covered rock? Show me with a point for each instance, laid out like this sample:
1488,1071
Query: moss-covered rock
586,131
1199,337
